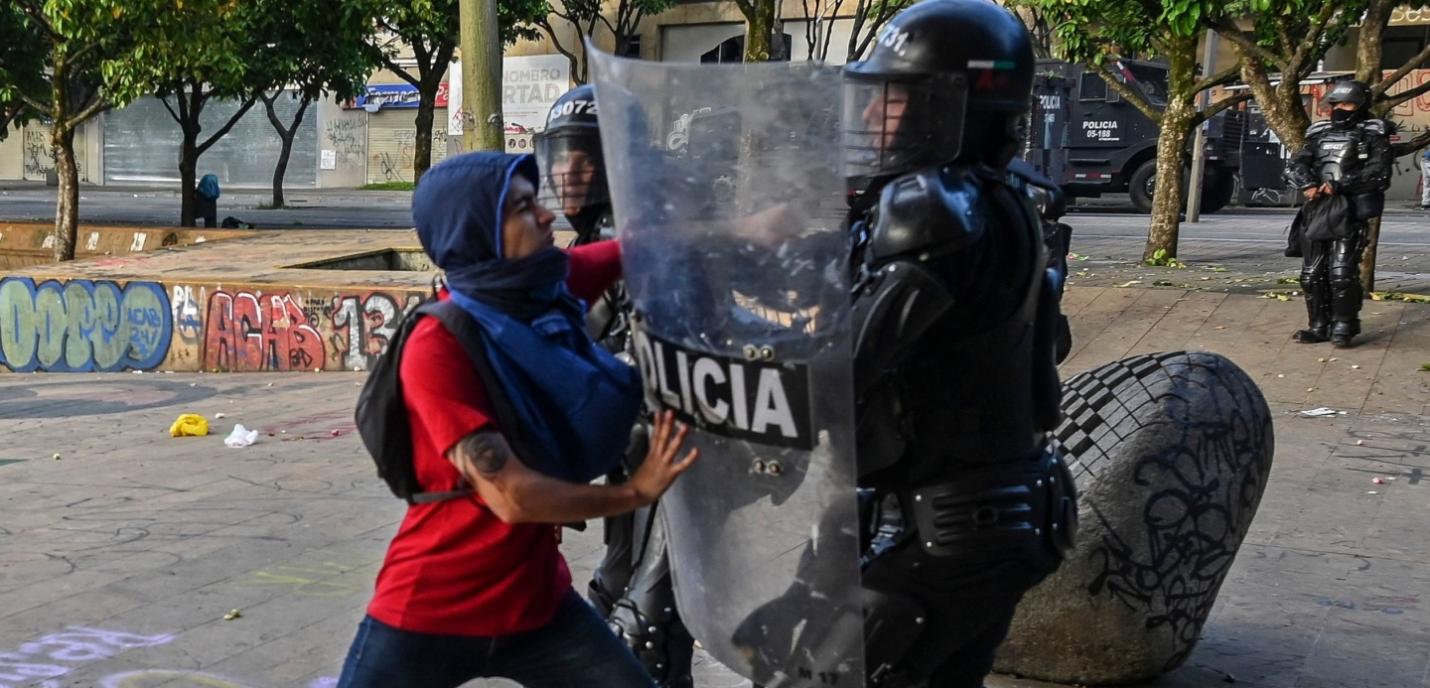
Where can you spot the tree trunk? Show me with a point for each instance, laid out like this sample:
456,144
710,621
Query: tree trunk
188,177
67,205
1167,196
286,135
759,31
422,147
1280,104
1370,40
1369,47
281,168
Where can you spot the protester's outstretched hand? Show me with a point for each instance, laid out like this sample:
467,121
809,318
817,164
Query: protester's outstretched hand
661,466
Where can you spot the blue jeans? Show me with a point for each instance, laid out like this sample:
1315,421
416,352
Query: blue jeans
576,648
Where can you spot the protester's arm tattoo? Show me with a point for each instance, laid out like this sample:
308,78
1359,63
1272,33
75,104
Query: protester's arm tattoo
486,451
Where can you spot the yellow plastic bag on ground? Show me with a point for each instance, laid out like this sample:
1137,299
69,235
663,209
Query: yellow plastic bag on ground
189,425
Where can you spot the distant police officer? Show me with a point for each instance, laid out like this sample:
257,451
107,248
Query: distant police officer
1347,155
957,321
632,585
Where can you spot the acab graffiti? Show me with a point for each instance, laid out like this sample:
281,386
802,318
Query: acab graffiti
82,325
252,331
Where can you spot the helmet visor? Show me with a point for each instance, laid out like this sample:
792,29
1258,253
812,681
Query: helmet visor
573,172
892,125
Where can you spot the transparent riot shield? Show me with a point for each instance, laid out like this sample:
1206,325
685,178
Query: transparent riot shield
729,205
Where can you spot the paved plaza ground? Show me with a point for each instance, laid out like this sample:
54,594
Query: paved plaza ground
123,550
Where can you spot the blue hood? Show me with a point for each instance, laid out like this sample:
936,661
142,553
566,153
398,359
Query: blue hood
574,403
458,211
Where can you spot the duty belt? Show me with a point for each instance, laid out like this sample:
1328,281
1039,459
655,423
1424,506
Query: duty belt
988,511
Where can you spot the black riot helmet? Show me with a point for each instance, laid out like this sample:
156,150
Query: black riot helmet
1353,92
573,169
947,80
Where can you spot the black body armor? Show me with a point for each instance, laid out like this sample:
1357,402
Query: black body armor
1354,157
957,329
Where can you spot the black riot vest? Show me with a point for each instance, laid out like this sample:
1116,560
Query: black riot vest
1338,152
978,384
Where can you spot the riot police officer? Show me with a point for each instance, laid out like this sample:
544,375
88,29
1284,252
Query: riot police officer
1347,155
632,585
968,502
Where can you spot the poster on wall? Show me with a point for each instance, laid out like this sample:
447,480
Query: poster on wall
530,84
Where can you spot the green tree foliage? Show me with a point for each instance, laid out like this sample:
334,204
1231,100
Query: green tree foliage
314,49
96,54
1101,32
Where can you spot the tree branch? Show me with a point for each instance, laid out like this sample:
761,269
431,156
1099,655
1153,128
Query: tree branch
1136,98
247,104
1390,102
401,72
1313,34
268,102
175,115
1221,78
1378,90
34,104
1242,41
1215,108
1415,144
96,105
571,59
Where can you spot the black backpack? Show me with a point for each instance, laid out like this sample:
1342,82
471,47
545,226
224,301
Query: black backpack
382,414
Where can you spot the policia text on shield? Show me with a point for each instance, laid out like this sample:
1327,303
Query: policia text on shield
878,489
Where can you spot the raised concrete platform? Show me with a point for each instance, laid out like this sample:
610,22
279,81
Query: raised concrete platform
28,244
256,301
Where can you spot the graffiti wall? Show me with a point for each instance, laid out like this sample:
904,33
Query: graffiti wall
82,325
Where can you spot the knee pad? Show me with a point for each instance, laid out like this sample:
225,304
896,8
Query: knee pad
1345,277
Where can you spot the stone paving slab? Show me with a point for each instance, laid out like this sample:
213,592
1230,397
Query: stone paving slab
148,541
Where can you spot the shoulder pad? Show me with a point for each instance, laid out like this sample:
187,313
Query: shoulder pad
927,212
1320,127
1375,126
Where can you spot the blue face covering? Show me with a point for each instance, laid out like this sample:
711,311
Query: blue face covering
576,403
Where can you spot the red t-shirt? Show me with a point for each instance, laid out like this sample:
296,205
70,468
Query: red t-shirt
454,568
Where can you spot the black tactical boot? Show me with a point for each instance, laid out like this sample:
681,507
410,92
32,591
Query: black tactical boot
1342,332
1318,313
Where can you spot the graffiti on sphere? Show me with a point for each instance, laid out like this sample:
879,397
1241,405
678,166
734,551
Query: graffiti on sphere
81,325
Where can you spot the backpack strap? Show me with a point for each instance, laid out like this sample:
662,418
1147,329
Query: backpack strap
473,338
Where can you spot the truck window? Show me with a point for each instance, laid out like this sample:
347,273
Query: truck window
1151,81
1093,87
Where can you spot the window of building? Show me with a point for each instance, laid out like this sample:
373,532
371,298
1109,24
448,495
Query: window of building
1397,50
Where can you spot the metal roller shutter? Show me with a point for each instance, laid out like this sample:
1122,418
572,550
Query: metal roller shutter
391,140
141,145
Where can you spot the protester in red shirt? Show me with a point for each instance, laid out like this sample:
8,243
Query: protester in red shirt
475,586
